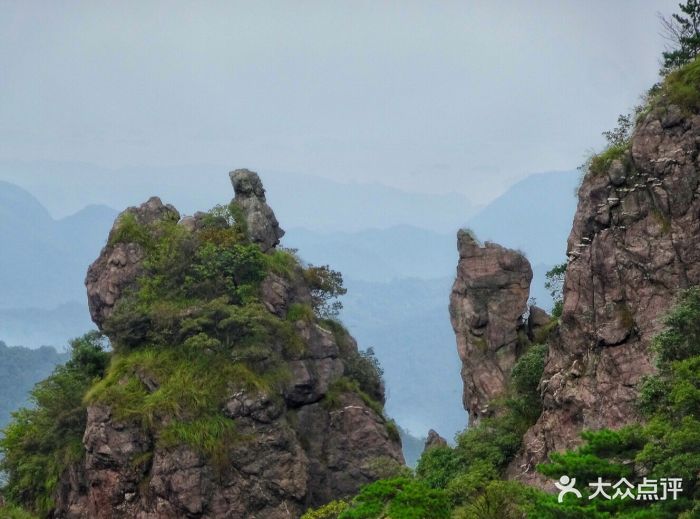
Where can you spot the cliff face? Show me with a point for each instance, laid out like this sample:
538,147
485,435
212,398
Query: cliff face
314,435
487,304
635,242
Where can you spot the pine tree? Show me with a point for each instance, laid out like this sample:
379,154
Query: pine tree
683,31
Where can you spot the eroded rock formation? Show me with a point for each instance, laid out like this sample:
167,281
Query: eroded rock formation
250,197
297,449
488,300
434,440
635,242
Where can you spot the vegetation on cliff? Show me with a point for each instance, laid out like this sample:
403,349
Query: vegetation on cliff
455,480
46,439
467,481
664,444
191,332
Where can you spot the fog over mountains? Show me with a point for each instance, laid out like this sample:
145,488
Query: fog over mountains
396,250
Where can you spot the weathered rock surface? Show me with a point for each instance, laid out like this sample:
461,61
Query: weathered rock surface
250,197
119,265
434,440
635,242
298,450
488,300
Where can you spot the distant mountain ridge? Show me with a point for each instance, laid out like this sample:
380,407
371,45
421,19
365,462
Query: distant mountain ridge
20,369
300,200
534,215
43,260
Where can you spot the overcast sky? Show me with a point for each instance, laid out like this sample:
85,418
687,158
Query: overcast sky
431,96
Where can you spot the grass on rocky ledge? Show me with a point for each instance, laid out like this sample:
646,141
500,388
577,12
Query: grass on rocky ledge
178,392
682,87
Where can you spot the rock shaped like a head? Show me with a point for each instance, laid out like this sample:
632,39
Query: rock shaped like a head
263,227
247,183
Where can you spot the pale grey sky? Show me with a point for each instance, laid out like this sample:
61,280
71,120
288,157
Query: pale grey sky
433,96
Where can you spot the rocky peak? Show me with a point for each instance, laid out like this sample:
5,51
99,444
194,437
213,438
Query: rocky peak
250,197
119,264
487,304
304,425
635,242
434,440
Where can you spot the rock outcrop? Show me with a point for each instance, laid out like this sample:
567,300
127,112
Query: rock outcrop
263,227
297,448
487,307
120,264
635,242
434,440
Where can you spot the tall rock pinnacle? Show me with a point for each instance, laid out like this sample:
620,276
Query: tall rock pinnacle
488,300
250,197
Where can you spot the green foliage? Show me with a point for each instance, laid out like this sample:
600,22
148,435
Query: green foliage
525,378
300,312
619,136
398,498
682,87
15,512
282,261
361,366
326,286
129,230
178,392
230,218
555,286
600,163
20,369
347,385
527,372
438,466
499,500
682,30
330,511
364,368
220,270
668,445
212,435
681,337
43,440
393,430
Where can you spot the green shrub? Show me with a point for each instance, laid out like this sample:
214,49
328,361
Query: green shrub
129,230
528,370
331,399
499,500
438,466
300,312
398,498
681,337
326,286
601,162
282,262
212,436
43,441
682,87
393,430
364,368
330,511
668,445
15,512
